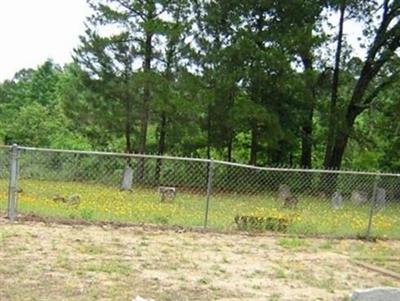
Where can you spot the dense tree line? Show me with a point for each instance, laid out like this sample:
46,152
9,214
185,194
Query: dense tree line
263,82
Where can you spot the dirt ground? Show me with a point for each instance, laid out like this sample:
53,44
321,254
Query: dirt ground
41,261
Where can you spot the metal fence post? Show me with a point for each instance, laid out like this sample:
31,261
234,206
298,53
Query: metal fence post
372,208
13,182
209,190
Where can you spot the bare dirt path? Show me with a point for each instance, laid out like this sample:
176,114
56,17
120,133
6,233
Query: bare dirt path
64,262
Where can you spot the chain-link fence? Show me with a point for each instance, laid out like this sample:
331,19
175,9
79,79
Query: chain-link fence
198,193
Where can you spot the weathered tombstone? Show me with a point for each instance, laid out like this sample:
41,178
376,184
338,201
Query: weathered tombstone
167,193
127,178
380,199
337,200
377,294
284,192
287,197
359,197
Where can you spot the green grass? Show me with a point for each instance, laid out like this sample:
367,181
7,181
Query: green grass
103,203
292,243
381,255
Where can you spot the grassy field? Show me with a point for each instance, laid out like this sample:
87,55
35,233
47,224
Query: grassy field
99,202
58,262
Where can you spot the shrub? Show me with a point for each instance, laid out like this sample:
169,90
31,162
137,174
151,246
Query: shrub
249,222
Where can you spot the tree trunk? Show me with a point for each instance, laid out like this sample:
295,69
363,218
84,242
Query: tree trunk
342,137
209,132
306,140
128,127
146,93
161,146
163,121
386,42
254,146
230,146
328,181
307,128
332,127
127,177
306,146
146,100
359,101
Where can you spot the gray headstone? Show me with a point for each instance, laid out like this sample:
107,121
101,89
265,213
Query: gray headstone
377,294
284,192
380,200
167,193
359,197
127,178
337,200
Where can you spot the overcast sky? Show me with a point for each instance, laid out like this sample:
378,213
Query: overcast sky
32,31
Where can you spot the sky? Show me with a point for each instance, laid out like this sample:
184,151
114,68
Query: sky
32,31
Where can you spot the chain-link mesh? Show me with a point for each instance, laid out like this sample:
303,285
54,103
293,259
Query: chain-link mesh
385,207
112,187
4,175
194,192
305,202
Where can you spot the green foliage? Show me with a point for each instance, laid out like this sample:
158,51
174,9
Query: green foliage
242,81
271,223
292,243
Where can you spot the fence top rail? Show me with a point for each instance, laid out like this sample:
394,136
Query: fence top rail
114,154
277,169
281,169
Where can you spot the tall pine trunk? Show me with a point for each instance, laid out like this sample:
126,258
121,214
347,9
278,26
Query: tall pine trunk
163,115
328,181
307,139
127,177
146,100
230,146
307,127
343,134
254,146
128,127
161,145
332,127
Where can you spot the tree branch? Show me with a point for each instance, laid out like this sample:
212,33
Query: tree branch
131,9
371,97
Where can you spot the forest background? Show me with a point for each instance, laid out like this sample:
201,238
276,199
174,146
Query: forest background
266,82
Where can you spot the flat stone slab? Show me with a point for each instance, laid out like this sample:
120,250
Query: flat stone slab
377,294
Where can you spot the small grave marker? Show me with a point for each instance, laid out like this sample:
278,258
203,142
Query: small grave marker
286,196
359,197
127,179
380,199
337,200
167,193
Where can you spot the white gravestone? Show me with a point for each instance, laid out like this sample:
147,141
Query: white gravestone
359,197
127,179
380,199
284,192
337,200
